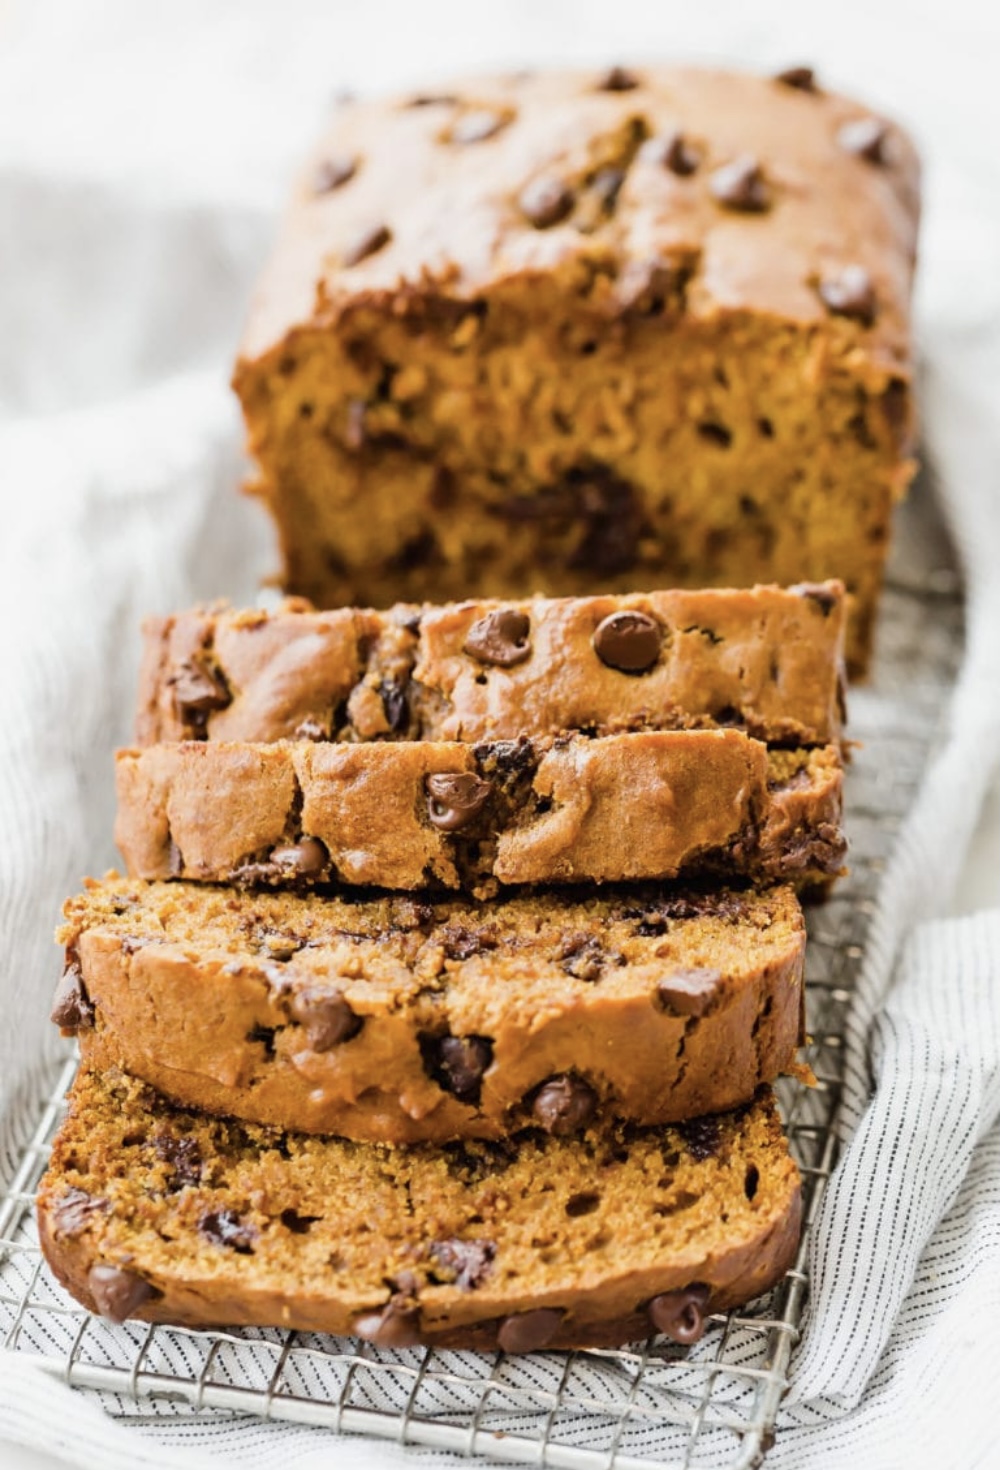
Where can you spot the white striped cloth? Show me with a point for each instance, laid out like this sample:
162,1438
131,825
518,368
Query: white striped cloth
143,153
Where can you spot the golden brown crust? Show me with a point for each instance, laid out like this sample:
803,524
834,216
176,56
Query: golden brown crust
162,1215
418,814
767,658
327,1015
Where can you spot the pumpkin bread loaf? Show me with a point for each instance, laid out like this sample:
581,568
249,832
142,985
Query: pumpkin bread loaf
768,659
396,1020
170,1216
589,330
646,804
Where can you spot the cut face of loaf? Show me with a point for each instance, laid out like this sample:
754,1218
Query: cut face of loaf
169,1216
426,814
555,335
768,660
400,1020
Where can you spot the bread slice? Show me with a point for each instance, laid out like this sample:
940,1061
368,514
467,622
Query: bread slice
421,814
768,660
171,1216
396,1020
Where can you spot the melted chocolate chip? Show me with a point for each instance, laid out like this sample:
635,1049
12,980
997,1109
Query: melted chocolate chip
226,1227
701,1136
850,293
396,1325
467,1262
306,858
688,992
866,138
802,78
117,1293
545,201
72,1008
528,1332
564,1105
199,688
326,1016
583,956
500,637
476,125
671,151
332,173
182,1155
618,79
454,799
368,242
457,1063
741,185
72,1214
681,1314
628,641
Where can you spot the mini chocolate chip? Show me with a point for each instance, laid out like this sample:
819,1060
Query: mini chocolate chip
476,125
529,1331
688,992
394,704
802,78
741,185
75,1210
72,1008
332,173
500,637
457,1063
368,242
701,1136
396,1326
618,79
628,641
226,1227
671,151
850,293
199,688
455,798
326,1016
545,201
303,859
681,1314
117,1293
583,956
865,137
563,1105
468,1260
182,1155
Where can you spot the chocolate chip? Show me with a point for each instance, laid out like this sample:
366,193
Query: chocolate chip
500,637
606,184
671,151
72,1214
865,137
311,729
369,242
741,185
545,201
455,798
529,1331
182,1155
199,688
460,943
117,1293
583,957
263,1036
394,704
618,79
326,1016
72,1008
628,641
332,173
225,1227
688,992
802,78
681,1314
824,599
396,1326
701,1136
850,293
303,859
432,99
476,125
457,1063
467,1262
564,1105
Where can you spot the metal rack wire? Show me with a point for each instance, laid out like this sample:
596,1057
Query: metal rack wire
654,1406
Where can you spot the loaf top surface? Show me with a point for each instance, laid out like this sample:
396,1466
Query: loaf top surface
758,194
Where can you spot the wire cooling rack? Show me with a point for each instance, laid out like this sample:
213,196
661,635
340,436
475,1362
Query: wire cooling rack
655,1406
